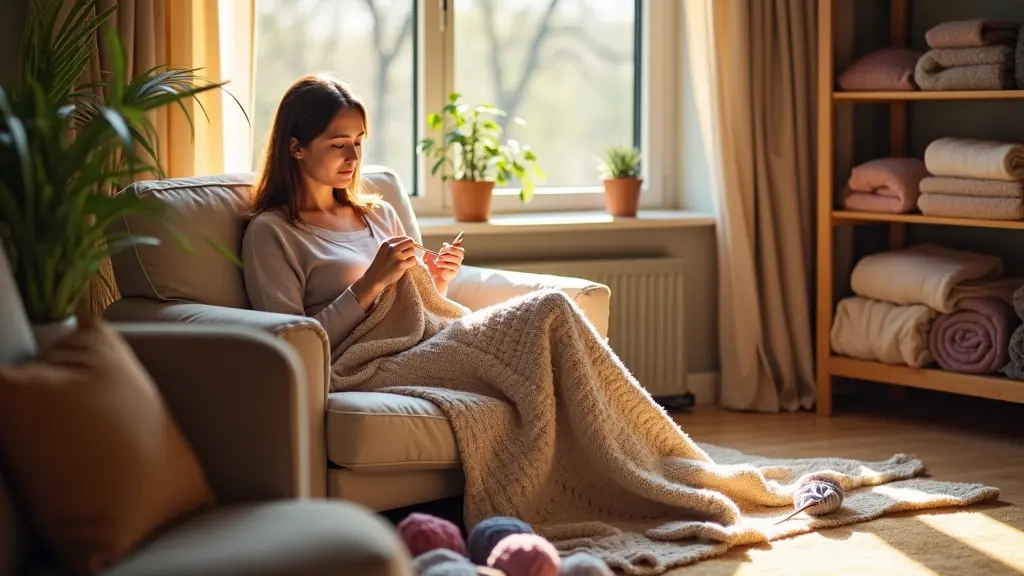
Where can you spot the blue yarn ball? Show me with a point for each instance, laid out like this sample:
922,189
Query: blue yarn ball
436,557
488,532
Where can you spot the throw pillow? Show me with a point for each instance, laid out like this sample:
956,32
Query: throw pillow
93,452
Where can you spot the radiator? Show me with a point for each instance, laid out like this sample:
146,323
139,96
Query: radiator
647,326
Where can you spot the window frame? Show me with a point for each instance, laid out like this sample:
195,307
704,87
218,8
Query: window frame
659,98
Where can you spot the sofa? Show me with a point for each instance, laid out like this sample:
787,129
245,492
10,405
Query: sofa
253,454
383,451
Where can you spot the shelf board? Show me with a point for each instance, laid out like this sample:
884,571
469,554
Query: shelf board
852,217
993,387
928,95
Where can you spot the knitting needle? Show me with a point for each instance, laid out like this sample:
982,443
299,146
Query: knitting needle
428,250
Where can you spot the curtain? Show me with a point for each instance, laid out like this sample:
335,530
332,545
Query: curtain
214,35
753,70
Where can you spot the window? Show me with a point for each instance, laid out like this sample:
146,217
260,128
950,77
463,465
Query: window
367,43
583,74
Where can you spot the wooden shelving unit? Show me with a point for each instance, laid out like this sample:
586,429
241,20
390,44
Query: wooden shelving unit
829,218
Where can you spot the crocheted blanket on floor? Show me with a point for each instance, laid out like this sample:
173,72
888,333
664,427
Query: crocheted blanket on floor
553,429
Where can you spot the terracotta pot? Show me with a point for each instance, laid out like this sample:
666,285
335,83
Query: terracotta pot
622,196
471,199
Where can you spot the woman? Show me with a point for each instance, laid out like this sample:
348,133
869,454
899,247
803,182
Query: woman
319,246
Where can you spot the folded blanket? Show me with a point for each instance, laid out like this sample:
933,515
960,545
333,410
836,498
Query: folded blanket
973,158
971,187
971,207
1019,57
926,274
1017,300
885,185
974,339
885,69
982,68
1015,352
553,429
970,33
882,332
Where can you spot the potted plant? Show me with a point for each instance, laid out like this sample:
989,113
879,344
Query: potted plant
620,170
64,149
472,159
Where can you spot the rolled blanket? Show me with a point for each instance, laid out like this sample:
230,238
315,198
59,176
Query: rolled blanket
1019,67
971,207
882,332
885,69
982,68
971,187
975,338
926,274
970,33
885,185
973,158
1015,352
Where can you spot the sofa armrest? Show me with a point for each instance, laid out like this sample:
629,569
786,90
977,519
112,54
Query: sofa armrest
238,395
303,334
477,288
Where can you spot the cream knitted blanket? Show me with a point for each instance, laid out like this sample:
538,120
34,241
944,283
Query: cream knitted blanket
552,429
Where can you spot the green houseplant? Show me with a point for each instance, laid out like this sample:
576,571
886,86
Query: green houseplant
620,171
64,148
472,159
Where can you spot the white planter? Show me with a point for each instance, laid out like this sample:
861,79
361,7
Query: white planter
48,334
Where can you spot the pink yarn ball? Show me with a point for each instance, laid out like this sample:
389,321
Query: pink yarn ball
423,533
525,555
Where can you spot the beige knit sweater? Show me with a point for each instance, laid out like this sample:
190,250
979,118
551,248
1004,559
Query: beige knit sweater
552,429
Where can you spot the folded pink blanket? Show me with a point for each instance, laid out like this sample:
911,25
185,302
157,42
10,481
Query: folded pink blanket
974,338
980,68
885,69
972,187
968,33
888,185
971,207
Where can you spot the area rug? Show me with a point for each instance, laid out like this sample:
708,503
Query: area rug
553,429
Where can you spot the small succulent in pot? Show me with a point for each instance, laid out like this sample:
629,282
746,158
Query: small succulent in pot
620,171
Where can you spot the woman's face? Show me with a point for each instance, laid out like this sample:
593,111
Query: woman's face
332,157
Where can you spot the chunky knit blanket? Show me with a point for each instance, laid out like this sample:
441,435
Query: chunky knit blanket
553,429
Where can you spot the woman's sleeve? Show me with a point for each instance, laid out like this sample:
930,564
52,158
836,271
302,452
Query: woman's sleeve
275,282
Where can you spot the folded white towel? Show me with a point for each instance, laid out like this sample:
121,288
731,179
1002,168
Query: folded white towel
972,158
928,274
882,332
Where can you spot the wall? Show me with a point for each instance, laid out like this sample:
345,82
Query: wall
12,21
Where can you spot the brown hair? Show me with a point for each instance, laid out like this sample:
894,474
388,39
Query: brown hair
305,111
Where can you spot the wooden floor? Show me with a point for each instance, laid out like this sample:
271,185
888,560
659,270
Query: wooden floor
957,437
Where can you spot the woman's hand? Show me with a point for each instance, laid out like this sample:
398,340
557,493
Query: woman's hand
445,266
394,257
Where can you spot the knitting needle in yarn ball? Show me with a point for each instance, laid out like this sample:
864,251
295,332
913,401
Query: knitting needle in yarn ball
818,495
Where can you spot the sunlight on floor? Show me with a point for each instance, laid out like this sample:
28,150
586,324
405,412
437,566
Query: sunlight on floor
986,535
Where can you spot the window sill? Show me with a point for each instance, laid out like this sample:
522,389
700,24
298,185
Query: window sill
544,222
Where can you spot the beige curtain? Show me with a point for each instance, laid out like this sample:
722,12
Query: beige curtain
752,64
214,35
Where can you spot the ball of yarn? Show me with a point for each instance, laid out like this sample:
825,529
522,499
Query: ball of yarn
525,555
583,564
423,533
486,535
819,495
464,568
431,558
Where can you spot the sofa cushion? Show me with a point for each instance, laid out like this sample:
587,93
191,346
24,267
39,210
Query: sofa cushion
210,213
275,538
88,406
378,432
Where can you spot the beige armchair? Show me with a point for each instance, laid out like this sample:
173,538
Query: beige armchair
239,396
381,450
